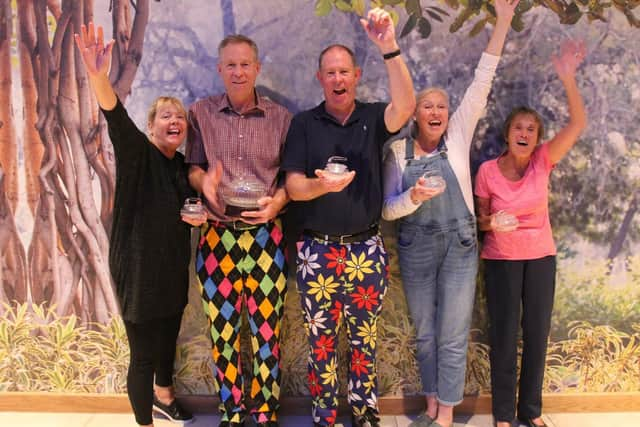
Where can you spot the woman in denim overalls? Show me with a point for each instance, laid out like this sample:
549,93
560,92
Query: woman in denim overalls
437,244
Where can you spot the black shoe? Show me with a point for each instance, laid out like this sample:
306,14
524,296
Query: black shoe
529,422
230,424
368,419
174,412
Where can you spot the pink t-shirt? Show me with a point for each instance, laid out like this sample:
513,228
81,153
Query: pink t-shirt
528,199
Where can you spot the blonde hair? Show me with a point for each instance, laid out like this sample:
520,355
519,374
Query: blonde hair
161,100
434,89
415,129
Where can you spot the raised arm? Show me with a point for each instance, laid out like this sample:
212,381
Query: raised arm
572,54
381,32
463,122
505,9
96,58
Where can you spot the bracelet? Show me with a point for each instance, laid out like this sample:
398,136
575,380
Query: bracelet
391,54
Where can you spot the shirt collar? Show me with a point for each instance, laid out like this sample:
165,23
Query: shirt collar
320,112
224,104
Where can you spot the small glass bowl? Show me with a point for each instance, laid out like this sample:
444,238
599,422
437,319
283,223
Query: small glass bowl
192,208
433,179
336,165
505,221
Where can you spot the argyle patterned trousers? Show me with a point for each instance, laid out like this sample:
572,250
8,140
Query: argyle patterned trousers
236,267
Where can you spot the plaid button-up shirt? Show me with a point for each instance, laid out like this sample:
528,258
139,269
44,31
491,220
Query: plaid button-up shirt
248,144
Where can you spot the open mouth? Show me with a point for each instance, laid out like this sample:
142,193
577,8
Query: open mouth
339,91
174,132
435,123
522,142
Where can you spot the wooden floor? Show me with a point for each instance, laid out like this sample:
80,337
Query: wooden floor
118,403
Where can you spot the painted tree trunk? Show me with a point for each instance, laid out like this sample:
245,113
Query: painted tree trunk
13,279
70,246
618,242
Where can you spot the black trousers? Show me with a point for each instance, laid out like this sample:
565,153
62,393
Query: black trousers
153,351
510,285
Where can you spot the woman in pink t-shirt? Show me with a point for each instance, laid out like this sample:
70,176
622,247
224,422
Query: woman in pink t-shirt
518,250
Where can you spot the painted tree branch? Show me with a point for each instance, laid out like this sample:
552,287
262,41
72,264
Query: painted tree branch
420,18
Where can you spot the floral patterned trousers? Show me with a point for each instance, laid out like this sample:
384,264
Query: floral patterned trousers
341,284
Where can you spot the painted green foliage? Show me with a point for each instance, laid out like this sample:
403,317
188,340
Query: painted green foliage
40,351
420,17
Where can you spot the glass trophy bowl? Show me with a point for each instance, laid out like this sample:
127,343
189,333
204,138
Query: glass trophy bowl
242,194
192,208
336,167
433,179
505,221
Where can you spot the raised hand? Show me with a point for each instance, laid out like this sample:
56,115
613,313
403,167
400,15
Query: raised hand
95,55
505,9
572,53
380,29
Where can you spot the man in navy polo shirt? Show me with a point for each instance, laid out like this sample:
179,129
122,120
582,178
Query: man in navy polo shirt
341,262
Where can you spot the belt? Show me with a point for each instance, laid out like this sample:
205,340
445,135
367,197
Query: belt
344,238
237,225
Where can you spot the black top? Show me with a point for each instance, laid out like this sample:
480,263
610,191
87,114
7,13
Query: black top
150,244
313,137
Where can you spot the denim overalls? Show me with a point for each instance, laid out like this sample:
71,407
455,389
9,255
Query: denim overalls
438,254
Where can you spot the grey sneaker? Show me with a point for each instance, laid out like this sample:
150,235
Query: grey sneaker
173,412
423,420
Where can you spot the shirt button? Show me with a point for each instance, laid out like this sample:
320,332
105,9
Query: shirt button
240,136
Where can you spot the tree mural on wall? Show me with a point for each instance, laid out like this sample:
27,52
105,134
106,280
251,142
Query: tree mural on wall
43,351
67,151
601,180
420,18
13,272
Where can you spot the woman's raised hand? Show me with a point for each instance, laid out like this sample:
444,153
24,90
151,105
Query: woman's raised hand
572,53
505,9
95,55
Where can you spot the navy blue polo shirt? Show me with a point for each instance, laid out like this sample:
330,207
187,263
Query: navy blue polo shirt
314,136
